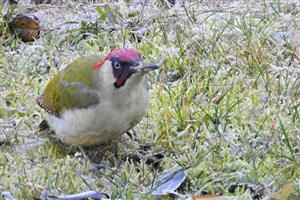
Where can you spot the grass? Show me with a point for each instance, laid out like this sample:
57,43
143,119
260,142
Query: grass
232,117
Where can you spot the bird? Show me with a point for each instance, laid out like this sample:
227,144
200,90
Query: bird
97,98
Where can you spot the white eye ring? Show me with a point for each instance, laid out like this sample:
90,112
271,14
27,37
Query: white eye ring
117,66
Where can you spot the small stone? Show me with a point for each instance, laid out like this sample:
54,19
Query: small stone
173,76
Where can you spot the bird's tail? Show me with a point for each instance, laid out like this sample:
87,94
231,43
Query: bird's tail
44,125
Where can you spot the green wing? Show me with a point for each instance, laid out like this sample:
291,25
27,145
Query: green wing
72,87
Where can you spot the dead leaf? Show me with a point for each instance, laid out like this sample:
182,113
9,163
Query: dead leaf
214,197
169,182
7,196
82,195
285,193
25,27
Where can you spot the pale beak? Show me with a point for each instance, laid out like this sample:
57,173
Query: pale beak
146,67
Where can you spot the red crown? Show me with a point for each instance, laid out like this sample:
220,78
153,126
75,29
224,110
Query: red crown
123,54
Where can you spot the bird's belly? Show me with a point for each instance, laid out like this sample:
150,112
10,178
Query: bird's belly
98,124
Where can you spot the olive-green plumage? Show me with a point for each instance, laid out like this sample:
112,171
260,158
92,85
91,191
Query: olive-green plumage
72,87
96,98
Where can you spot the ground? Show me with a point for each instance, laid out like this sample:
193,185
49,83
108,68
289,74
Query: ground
225,105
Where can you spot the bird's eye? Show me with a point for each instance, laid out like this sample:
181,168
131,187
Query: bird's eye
117,66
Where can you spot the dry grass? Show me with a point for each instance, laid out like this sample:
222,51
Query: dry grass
225,103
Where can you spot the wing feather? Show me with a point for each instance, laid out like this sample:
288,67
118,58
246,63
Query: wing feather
72,87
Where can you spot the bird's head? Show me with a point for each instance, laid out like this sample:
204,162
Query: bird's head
125,63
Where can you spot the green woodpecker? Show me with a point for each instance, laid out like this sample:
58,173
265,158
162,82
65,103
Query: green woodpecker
95,98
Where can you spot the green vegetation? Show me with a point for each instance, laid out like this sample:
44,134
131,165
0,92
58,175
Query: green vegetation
225,103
